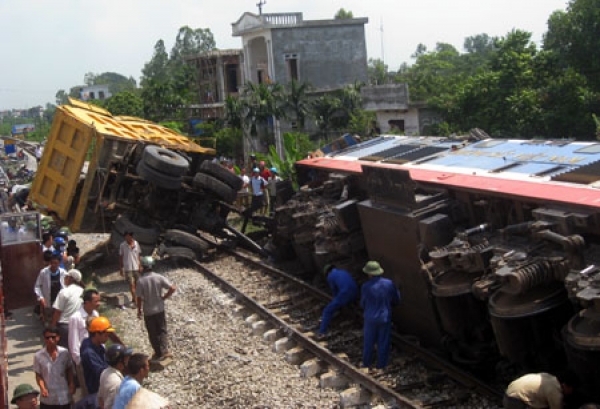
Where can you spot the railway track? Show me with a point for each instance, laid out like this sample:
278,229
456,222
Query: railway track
286,311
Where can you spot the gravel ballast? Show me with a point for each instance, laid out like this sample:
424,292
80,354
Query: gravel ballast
217,361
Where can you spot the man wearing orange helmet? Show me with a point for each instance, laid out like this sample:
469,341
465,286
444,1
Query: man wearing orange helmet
93,359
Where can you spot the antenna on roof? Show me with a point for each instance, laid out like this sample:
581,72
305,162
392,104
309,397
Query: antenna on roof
382,50
259,5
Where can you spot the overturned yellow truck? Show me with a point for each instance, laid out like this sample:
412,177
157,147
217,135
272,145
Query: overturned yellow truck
101,172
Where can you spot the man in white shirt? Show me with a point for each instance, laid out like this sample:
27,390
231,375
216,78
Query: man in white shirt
129,262
48,284
66,304
78,330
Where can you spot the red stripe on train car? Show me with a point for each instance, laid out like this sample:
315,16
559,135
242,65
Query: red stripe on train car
530,190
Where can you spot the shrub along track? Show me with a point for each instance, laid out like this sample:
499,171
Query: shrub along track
286,311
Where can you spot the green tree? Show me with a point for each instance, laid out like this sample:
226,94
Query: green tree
61,97
260,103
157,68
233,112
116,82
230,142
323,110
167,80
377,71
343,14
295,147
126,103
191,42
296,101
89,79
434,73
574,35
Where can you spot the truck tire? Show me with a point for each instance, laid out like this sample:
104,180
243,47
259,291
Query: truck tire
180,252
185,239
143,235
158,178
212,184
165,161
219,172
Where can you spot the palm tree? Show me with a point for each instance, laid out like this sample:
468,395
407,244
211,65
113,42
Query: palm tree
259,103
233,108
323,109
297,102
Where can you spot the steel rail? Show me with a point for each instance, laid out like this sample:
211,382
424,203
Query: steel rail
459,375
343,367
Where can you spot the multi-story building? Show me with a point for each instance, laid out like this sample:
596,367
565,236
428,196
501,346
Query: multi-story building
218,75
90,92
327,54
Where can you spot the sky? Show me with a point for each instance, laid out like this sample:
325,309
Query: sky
48,45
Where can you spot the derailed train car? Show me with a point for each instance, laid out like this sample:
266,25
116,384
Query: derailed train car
493,243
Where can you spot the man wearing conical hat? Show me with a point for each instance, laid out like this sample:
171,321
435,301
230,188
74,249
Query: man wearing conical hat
378,295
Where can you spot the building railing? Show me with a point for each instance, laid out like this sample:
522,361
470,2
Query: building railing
274,19
282,19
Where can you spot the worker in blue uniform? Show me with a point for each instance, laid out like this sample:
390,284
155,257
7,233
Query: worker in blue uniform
378,295
344,290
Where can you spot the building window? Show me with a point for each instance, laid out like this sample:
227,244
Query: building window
92,96
101,95
232,77
291,61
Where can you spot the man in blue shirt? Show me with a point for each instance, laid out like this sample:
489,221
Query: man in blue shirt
138,368
93,359
378,295
344,291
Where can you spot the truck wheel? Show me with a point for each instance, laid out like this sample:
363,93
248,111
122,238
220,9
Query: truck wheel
210,183
219,172
158,178
185,239
143,235
165,161
180,252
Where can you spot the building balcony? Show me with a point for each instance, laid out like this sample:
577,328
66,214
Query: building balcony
252,22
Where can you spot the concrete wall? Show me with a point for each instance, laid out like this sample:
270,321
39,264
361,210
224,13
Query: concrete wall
410,117
385,97
328,56
86,92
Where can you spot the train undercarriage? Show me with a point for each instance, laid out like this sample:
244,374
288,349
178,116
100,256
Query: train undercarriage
489,277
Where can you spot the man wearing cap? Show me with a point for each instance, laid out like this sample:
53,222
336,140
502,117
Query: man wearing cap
25,397
344,290
378,295
117,356
257,184
49,282
66,304
129,262
93,359
151,300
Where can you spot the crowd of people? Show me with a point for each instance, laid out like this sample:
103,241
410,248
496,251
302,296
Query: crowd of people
259,190
74,355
